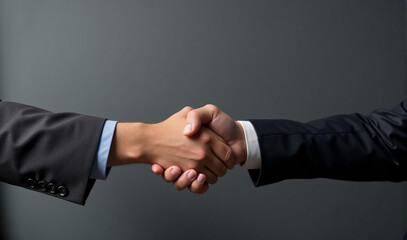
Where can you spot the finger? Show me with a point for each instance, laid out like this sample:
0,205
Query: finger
223,152
172,173
185,110
211,177
157,169
198,117
215,165
199,185
204,189
185,179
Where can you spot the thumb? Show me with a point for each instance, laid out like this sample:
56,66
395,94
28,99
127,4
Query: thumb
196,118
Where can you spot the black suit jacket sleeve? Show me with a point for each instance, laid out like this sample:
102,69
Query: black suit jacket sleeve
347,147
38,147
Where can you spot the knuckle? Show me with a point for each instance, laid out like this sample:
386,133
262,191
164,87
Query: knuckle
206,139
187,108
201,155
211,107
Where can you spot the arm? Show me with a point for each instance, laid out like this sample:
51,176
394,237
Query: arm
53,152
347,147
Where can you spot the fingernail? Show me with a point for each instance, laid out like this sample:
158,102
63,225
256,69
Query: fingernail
174,172
188,128
201,178
191,175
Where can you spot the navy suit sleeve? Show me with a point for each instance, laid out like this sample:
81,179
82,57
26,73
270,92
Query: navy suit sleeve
51,153
347,147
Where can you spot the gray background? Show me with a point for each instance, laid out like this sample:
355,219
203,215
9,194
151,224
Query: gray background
144,60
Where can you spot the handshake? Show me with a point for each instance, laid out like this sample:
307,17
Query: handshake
192,148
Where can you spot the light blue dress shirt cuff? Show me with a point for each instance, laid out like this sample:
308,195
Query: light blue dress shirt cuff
99,170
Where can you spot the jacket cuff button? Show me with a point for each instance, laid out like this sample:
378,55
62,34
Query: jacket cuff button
42,185
52,188
32,183
63,191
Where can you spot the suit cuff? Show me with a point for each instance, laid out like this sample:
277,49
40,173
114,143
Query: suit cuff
99,170
253,160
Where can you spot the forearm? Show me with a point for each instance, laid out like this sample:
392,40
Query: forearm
129,144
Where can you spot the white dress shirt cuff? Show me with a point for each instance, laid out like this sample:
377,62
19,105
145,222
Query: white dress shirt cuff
253,160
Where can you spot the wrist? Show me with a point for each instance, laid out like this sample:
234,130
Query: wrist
128,144
241,143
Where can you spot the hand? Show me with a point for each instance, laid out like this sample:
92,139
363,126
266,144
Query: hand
187,179
221,124
164,144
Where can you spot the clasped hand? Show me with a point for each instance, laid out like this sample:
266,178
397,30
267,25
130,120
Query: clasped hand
199,123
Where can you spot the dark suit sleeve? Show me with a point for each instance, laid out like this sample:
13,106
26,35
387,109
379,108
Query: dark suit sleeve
48,152
347,147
